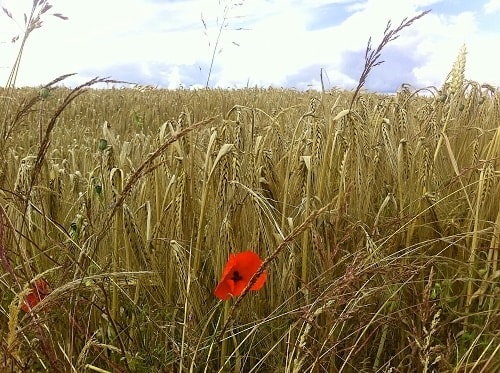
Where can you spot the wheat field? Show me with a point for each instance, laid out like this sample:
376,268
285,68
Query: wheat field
379,217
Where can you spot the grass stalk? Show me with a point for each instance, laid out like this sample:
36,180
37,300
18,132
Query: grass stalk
116,181
201,218
187,312
306,250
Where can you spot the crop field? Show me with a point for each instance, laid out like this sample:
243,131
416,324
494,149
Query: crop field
376,219
252,230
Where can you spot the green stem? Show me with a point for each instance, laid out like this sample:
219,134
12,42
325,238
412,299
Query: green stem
223,349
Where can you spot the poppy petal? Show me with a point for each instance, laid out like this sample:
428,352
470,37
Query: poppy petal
39,290
42,287
223,290
237,273
231,263
261,280
30,301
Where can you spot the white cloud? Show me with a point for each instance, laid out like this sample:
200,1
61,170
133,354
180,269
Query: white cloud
174,78
161,41
439,40
492,6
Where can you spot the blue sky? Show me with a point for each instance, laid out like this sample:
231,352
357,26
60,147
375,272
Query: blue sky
280,43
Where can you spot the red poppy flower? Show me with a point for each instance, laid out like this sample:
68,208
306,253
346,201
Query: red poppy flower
237,274
39,290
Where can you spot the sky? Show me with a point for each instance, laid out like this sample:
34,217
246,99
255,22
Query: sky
265,43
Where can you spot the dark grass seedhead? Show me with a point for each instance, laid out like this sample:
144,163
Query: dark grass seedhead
372,56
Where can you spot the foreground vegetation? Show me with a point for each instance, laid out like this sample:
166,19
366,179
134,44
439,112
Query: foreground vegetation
380,226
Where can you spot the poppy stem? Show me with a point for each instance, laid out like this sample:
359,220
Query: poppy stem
223,350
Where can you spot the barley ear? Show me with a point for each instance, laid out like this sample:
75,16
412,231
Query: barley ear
457,73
